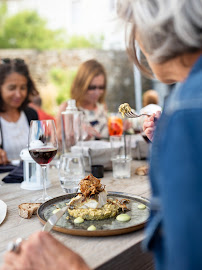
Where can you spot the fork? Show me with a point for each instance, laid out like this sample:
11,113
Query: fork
131,114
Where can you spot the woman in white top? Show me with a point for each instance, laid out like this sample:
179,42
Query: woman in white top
88,89
16,86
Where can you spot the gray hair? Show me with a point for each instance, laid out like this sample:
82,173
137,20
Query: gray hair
167,28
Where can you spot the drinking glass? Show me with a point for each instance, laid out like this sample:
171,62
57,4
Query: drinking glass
120,146
121,156
115,124
43,147
71,171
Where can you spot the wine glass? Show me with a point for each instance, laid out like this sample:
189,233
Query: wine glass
43,147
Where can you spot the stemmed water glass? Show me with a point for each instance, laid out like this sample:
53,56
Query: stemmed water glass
43,147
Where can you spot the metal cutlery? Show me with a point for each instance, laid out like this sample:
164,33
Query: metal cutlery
15,245
131,114
54,219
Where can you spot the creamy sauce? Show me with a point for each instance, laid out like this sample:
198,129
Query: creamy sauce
123,217
91,228
141,206
78,220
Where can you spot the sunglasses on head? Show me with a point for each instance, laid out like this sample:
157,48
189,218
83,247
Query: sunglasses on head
15,60
94,87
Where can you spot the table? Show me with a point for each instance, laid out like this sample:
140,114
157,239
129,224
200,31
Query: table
112,252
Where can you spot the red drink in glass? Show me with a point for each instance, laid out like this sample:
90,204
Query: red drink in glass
115,125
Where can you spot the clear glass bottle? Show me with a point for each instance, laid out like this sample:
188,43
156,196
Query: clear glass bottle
71,126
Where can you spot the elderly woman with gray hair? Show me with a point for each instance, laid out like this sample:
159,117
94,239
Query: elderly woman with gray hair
169,34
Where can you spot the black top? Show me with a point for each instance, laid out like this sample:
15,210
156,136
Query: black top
30,113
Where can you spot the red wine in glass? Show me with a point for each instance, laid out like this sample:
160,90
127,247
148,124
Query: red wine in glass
43,147
43,155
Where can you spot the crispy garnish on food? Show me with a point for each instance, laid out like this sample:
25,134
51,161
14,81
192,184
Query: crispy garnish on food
90,185
124,108
120,203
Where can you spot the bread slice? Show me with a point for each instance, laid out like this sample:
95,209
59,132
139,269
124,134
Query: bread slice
143,170
26,210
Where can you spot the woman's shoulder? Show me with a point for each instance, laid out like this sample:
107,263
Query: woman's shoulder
31,114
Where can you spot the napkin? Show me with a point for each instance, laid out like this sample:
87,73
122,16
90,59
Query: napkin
15,176
100,152
7,168
95,153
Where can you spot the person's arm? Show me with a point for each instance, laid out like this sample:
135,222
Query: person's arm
3,157
42,251
181,191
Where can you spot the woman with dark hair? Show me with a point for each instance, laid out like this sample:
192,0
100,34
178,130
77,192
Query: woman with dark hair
16,86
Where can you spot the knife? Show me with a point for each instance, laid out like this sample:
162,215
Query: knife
54,219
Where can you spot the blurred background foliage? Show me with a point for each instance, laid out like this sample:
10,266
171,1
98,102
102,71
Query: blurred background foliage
26,29
62,79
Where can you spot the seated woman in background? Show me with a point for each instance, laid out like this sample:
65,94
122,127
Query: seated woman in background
89,89
16,86
150,101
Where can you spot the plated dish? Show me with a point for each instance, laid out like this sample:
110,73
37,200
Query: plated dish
105,227
3,211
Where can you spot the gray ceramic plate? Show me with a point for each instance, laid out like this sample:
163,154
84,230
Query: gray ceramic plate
104,227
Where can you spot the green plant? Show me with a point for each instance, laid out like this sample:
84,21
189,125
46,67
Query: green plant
27,29
3,14
92,41
62,79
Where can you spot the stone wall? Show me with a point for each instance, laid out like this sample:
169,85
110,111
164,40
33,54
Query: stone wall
118,67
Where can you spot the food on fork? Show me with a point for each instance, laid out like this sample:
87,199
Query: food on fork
124,108
26,210
92,202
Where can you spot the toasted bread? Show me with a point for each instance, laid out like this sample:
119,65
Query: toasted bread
26,210
143,170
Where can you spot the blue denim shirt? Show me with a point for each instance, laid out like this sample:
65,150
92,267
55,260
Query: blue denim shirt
174,230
